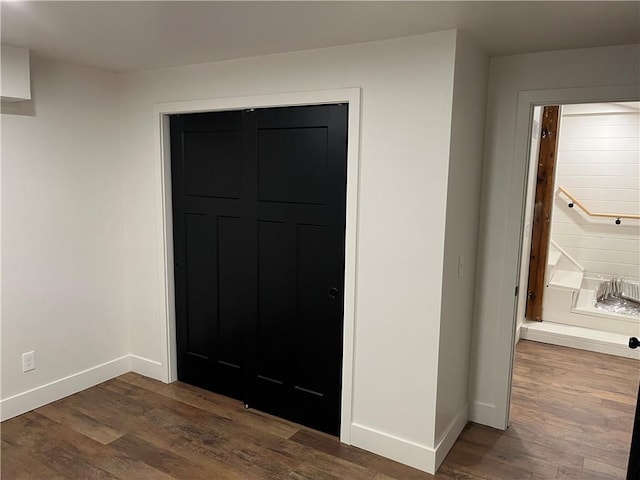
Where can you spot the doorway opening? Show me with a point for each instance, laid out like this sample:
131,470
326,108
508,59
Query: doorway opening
586,394
580,255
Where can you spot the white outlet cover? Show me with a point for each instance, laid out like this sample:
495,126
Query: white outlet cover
28,361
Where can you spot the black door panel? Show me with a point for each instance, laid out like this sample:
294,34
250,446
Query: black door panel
259,203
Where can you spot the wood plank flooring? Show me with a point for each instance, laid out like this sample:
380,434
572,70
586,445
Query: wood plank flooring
571,418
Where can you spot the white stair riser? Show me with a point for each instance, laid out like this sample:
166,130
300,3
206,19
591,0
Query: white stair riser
557,299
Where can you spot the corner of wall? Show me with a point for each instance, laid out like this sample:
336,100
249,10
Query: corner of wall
461,232
401,450
422,457
484,414
148,368
450,435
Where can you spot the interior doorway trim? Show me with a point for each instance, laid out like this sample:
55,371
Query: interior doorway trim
527,100
161,114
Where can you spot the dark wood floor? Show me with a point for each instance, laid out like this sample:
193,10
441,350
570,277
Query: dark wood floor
571,419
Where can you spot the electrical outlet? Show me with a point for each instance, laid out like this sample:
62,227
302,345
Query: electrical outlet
461,266
28,361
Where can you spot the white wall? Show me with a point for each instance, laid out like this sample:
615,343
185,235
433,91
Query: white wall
598,161
461,236
584,75
63,292
404,150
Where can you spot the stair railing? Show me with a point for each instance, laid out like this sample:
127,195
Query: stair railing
567,256
575,202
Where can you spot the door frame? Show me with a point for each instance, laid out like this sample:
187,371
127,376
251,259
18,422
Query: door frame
161,113
506,302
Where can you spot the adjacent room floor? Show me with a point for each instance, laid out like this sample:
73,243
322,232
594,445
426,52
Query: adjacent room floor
571,417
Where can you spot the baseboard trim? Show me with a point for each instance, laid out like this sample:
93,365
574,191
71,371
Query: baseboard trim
148,368
483,413
518,332
450,435
395,448
578,337
37,397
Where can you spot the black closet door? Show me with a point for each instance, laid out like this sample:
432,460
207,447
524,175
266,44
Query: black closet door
207,190
259,218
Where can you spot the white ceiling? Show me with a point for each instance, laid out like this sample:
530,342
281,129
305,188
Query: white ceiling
124,36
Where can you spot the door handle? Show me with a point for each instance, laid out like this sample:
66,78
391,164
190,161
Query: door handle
634,342
333,292
179,265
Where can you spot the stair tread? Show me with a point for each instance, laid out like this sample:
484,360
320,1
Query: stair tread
585,305
566,280
586,300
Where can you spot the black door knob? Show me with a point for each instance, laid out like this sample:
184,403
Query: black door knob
333,292
179,265
634,342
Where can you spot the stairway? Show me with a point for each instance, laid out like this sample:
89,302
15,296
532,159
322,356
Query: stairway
570,297
562,271
569,315
564,279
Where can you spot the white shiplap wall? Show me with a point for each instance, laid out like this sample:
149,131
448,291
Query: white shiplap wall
599,163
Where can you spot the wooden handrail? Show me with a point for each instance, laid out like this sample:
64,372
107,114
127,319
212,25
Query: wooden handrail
577,202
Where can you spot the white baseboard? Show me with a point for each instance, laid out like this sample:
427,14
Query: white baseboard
518,329
39,396
148,368
578,337
483,413
450,435
398,449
